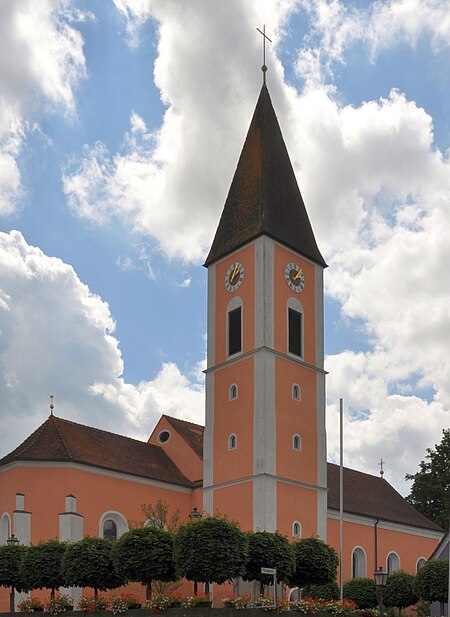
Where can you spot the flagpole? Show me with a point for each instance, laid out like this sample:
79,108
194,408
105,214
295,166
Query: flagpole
341,497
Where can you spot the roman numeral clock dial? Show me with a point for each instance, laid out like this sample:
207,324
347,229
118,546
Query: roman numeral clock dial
234,276
295,277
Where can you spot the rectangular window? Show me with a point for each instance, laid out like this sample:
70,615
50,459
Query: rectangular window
234,331
295,332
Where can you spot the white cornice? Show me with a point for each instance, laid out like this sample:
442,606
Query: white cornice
388,525
97,471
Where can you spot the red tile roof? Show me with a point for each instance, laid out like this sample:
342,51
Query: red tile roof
374,497
63,440
192,433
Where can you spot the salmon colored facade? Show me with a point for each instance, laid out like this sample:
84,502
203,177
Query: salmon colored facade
261,458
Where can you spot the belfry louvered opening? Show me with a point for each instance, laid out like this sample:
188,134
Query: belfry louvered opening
295,332
234,331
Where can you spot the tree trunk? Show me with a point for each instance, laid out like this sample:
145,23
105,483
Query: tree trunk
95,593
52,594
148,591
195,588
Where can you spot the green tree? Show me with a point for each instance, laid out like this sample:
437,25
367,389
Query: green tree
10,574
89,563
399,591
315,563
430,490
431,582
145,554
42,566
327,591
362,591
158,516
210,550
268,550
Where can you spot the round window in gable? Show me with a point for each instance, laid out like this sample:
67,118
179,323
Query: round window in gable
163,436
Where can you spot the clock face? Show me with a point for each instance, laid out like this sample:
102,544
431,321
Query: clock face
234,276
295,277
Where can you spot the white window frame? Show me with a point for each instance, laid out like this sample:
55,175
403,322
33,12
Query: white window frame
392,553
361,555
164,430
294,387
294,437
117,518
294,534
424,559
230,391
230,439
294,304
5,528
233,304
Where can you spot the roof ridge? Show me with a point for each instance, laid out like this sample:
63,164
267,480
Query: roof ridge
170,418
64,443
101,430
36,434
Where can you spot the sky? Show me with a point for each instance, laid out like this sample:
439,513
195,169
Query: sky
121,123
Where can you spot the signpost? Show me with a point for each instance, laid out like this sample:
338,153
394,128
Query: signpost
273,572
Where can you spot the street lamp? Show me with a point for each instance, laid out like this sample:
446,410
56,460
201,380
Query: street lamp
194,516
12,541
380,581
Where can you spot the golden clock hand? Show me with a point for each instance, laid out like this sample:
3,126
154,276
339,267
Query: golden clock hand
298,275
233,275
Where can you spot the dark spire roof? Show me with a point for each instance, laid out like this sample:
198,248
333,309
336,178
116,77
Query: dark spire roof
264,197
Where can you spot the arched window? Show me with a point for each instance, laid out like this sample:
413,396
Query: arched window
296,392
359,568
233,394
5,528
295,327
232,442
420,563
112,525
234,326
296,529
109,530
392,562
297,443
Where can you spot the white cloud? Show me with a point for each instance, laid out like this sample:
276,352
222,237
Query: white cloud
41,61
57,337
171,183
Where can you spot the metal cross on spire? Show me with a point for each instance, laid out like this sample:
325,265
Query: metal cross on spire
381,467
51,404
264,67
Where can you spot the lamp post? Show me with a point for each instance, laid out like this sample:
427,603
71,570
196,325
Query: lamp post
12,541
194,516
380,581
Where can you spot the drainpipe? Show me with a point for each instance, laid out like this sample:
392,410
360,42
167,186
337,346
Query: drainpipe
376,544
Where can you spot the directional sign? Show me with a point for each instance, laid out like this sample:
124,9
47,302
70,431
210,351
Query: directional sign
271,571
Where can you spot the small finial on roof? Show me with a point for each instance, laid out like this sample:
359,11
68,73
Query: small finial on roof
52,407
381,468
264,67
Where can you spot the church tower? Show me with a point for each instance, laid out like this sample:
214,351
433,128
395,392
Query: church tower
265,442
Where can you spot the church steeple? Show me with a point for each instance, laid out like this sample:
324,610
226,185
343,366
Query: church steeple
264,197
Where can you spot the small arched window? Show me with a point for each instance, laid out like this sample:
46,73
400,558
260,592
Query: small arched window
297,443
295,327
112,525
358,563
296,529
296,392
233,392
5,528
109,530
234,326
232,442
392,563
420,563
